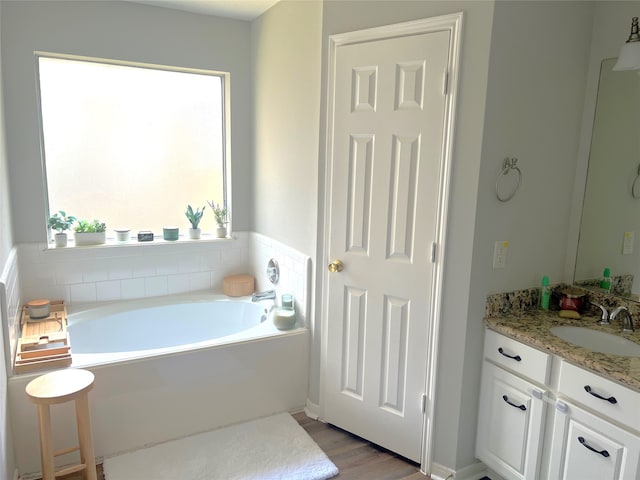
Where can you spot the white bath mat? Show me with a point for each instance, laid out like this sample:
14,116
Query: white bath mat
275,447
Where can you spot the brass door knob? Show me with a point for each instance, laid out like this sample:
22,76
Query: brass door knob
336,266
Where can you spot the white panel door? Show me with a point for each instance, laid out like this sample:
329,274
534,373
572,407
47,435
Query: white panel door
387,156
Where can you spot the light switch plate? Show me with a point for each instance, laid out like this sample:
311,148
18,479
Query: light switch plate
500,249
627,243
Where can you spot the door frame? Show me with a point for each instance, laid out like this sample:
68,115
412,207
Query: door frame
453,24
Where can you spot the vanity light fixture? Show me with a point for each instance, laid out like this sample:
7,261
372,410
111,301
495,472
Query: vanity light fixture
629,57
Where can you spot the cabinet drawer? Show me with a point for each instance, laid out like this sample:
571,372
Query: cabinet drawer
601,395
522,359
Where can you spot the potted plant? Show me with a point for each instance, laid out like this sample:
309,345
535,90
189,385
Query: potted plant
90,233
221,215
61,223
194,218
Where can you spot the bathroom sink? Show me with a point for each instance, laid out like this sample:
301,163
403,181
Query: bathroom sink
597,341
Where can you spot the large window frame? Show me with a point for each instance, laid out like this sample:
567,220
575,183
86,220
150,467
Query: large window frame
225,137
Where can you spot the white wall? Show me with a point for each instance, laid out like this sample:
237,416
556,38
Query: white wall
6,237
286,48
452,430
534,107
522,87
539,57
124,31
7,463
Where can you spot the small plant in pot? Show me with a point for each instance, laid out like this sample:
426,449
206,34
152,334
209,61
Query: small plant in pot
60,222
90,233
194,218
221,214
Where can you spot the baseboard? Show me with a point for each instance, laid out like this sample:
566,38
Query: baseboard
475,471
30,476
440,472
312,410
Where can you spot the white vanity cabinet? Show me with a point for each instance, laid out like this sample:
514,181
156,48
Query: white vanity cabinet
586,442
592,423
587,447
512,407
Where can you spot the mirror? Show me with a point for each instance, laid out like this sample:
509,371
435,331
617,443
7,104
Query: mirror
611,211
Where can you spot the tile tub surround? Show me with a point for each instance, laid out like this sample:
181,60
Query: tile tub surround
126,272
533,328
10,304
123,272
101,274
295,272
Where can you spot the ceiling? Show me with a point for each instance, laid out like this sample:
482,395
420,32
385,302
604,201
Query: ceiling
240,9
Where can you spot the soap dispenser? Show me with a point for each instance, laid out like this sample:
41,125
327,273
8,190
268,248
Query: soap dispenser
545,293
605,283
284,318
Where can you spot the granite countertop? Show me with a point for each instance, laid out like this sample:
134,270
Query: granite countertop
533,328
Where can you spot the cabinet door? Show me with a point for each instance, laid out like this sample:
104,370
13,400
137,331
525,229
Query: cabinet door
510,424
586,447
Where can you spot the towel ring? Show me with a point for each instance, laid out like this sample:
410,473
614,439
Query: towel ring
508,166
636,184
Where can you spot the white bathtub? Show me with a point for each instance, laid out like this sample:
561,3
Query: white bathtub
151,327
149,392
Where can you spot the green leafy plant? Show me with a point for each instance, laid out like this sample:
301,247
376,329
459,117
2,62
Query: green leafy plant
85,226
194,217
219,212
60,221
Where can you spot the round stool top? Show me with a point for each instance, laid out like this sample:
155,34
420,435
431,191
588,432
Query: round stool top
60,386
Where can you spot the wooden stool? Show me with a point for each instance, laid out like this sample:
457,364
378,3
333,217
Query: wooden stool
59,387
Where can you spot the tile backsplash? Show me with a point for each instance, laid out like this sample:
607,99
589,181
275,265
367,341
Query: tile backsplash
295,271
87,275
10,304
518,302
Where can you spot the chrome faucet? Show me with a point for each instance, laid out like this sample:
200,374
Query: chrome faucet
627,321
604,317
269,294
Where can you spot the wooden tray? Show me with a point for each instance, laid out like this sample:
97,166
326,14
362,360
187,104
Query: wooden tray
44,343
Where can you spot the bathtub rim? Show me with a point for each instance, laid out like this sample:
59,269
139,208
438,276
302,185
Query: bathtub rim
142,358
118,306
261,332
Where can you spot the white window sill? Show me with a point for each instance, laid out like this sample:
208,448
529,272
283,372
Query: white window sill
133,242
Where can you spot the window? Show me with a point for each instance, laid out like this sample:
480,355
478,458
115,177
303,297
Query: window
132,145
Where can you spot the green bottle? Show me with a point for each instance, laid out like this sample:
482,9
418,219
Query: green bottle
545,293
605,283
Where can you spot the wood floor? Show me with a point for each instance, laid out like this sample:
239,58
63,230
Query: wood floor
355,458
